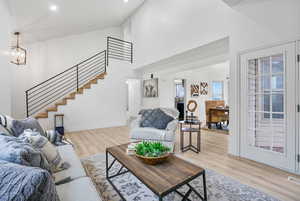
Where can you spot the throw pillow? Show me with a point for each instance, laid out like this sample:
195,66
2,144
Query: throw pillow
25,183
41,143
14,150
54,137
155,118
19,126
161,120
6,123
147,118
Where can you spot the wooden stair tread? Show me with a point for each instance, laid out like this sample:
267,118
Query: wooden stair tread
41,115
61,102
70,96
80,91
52,109
94,81
87,86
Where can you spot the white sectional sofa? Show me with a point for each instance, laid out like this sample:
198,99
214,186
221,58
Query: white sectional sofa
80,187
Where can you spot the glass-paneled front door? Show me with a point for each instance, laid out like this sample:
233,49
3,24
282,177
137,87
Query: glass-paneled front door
268,105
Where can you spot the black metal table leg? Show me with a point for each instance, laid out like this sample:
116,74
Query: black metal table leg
204,186
181,138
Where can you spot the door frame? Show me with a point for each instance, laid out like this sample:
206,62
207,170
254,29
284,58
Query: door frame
243,108
298,103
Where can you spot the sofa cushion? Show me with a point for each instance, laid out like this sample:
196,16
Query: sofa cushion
78,190
25,183
19,126
75,170
15,150
155,118
140,133
49,150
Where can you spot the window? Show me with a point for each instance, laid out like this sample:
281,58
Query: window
217,90
179,90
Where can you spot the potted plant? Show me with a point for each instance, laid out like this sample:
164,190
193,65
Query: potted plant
152,153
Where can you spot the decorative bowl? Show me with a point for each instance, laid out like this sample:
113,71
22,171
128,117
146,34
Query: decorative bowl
153,160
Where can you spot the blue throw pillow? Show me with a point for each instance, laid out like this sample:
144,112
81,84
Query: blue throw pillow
14,150
22,183
19,126
155,118
147,118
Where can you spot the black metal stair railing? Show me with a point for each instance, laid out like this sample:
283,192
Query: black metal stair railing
119,49
62,84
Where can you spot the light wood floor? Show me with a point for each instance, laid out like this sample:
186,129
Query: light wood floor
213,156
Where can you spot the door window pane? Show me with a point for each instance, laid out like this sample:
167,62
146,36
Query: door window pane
265,65
277,81
277,103
265,83
277,63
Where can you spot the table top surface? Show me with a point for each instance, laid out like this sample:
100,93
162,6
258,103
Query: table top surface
219,109
190,129
195,122
161,178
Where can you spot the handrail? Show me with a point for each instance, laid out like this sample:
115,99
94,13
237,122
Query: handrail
66,70
117,39
55,87
119,49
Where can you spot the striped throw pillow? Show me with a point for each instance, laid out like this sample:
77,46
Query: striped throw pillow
47,148
6,123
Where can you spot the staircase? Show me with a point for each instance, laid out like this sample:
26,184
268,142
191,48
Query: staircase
56,91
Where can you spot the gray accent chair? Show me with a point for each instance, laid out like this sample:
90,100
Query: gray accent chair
167,136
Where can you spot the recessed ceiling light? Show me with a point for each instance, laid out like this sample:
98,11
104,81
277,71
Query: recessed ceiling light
125,1
53,8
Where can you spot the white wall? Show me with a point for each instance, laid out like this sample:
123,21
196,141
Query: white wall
160,29
48,58
6,34
216,72
163,28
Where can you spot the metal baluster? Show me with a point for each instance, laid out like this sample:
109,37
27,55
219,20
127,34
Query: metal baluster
77,78
27,112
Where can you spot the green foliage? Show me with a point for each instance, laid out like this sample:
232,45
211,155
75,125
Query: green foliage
151,149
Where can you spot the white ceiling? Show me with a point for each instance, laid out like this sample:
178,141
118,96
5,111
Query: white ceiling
232,2
37,23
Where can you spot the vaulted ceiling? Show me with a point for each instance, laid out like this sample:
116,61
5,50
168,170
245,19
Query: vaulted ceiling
232,2
38,23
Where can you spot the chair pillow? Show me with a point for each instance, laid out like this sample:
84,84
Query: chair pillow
147,118
14,150
49,150
155,118
19,126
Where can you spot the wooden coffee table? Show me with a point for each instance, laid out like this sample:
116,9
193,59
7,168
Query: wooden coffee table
161,179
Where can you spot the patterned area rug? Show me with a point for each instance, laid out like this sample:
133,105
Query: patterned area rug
219,187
